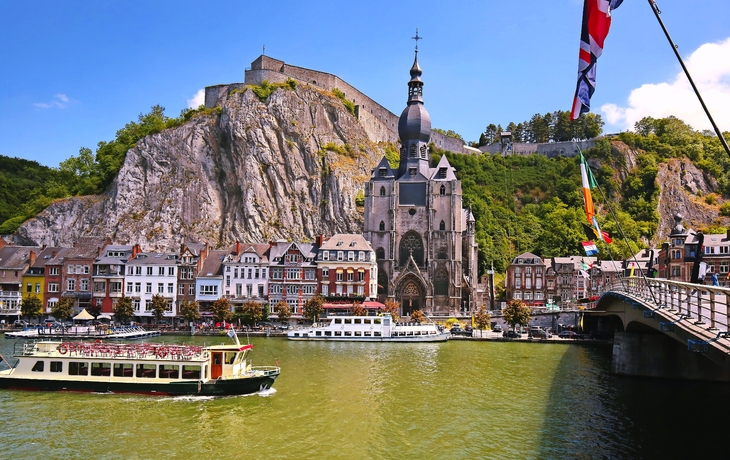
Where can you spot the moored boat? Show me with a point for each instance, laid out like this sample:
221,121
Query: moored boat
160,369
370,329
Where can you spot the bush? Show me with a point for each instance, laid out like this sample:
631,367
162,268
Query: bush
725,209
341,96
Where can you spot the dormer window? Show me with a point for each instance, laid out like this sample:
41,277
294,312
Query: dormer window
442,173
339,243
382,172
414,151
412,171
352,243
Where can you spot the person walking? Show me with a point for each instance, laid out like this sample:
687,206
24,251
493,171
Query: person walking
714,279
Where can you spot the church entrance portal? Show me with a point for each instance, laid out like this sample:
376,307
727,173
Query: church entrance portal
411,299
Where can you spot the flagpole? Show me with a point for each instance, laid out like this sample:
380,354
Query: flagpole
655,8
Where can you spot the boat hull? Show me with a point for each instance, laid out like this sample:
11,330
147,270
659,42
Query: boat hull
228,387
413,339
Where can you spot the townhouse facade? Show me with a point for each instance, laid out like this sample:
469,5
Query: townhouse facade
14,263
209,282
108,276
292,273
149,274
246,274
347,267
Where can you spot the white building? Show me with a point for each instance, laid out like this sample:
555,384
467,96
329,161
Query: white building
246,274
150,273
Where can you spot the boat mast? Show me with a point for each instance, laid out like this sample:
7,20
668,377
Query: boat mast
656,11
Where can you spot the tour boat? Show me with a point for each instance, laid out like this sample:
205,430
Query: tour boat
160,369
369,329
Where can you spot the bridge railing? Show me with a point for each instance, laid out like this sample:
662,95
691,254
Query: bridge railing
706,304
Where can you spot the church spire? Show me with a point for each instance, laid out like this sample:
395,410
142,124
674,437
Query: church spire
415,86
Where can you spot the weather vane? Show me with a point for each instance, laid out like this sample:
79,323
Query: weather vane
416,38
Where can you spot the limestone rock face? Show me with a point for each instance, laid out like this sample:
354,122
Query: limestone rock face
256,172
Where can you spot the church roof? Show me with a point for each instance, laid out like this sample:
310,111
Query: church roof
384,164
449,173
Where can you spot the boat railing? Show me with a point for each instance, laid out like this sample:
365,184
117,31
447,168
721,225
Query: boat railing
100,349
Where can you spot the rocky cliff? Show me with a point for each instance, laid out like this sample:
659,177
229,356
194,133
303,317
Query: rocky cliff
289,167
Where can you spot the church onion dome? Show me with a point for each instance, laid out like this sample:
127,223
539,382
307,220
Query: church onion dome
415,122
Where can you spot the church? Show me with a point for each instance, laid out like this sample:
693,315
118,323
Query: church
423,238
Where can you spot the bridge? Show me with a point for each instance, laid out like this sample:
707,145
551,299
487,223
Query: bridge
664,328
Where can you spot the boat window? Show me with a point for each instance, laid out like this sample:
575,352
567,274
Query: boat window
368,334
338,320
56,366
358,334
357,321
348,321
169,371
376,333
378,320
77,368
348,333
146,371
101,369
38,366
217,358
122,370
191,372
338,333
230,357
318,333
367,321
328,333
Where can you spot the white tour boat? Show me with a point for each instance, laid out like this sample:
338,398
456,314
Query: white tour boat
369,329
160,369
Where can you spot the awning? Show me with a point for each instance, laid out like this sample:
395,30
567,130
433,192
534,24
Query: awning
84,315
373,304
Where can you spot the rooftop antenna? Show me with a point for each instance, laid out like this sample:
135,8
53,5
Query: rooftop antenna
263,52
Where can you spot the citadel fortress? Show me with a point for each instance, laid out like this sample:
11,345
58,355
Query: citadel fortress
380,124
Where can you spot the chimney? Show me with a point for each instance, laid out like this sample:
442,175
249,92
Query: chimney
320,240
32,257
238,248
135,250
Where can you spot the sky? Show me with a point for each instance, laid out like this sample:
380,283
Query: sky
74,72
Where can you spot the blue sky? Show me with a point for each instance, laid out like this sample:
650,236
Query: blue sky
74,72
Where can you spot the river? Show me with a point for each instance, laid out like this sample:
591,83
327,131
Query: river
454,400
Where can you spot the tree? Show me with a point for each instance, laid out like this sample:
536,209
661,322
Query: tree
31,307
392,307
123,310
283,311
417,316
313,308
158,306
517,312
94,309
482,318
358,309
190,310
250,313
490,134
63,308
221,309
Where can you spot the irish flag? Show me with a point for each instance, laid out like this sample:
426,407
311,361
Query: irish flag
588,183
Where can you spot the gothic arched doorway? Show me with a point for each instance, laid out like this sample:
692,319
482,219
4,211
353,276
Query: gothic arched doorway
411,298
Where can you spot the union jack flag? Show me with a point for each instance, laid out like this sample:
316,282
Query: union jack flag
596,22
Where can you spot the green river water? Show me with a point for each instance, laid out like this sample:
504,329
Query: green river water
460,399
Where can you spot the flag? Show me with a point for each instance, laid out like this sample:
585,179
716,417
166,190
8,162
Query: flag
583,265
631,272
590,248
584,274
592,234
588,183
231,333
596,22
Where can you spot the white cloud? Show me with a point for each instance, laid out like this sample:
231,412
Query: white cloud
60,101
709,67
197,100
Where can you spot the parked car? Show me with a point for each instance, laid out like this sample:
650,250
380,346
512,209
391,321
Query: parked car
512,334
284,327
20,324
497,328
456,330
539,333
569,335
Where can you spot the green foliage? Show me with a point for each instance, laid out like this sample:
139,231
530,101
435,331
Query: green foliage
448,133
313,308
31,307
345,150
347,103
482,318
221,309
725,209
417,316
123,310
516,312
392,154
94,309
190,310
63,308
250,313
283,311
360,198
158,305
392,307
552,126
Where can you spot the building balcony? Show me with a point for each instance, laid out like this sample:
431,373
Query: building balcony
10,295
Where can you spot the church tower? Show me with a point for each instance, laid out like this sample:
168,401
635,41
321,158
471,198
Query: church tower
423,239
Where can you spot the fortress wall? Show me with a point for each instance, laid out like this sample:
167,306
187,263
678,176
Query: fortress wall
214,95
549,149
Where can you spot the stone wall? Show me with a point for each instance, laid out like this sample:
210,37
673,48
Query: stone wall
549,149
